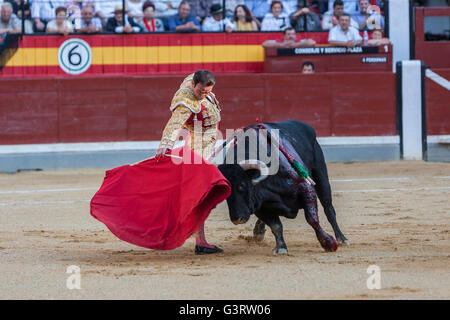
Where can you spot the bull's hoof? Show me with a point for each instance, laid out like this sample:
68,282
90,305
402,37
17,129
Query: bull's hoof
259,230
342,240
328,243
280,252
258,237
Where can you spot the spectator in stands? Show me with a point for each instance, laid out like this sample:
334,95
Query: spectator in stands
350,6
184,21
216,21
308,67
230,7
330,18
17,10
135,9
9,23
17,7
117,24
259,8
243,19
88,23
344,35
378,39
202,8
290,6
319,7
304,19
105,9
149,23
60,24
42,11
289,41
368,18
166,8
276,20
73,9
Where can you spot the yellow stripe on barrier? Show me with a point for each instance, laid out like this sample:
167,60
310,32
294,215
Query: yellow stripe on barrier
26,57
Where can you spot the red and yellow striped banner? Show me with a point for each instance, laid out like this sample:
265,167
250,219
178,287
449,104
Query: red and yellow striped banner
147,53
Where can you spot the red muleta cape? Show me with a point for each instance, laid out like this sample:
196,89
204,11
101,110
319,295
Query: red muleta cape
158,205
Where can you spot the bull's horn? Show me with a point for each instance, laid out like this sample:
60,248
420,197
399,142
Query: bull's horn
256,164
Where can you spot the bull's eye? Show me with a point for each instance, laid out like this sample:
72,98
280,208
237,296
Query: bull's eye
241,187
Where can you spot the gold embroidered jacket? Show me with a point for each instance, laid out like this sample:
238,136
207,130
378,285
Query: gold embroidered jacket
200,117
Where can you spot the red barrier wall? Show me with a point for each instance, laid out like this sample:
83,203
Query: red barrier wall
136,108
438,105
435,53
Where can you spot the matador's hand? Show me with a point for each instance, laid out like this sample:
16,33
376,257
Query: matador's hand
161,153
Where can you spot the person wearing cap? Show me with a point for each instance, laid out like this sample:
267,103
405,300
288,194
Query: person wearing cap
304,19
116,23
216,22
184,21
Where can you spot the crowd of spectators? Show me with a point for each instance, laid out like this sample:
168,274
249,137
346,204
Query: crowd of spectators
343,19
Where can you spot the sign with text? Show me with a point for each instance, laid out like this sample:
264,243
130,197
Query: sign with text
331,50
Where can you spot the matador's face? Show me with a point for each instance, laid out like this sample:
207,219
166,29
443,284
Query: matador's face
200,91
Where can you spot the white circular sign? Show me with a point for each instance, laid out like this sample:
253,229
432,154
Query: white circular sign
74,56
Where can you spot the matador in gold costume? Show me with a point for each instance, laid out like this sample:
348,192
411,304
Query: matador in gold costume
194,107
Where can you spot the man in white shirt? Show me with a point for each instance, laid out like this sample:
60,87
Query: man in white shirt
9,22
343,35
88,23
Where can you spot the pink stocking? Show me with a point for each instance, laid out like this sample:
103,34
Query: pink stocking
200,240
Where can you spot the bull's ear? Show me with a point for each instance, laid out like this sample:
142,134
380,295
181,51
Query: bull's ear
252,173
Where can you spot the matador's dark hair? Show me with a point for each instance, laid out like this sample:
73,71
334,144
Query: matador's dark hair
204,77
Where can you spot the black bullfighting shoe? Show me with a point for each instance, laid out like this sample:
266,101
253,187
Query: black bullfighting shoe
206,250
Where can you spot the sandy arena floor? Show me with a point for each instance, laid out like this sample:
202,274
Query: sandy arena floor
396,215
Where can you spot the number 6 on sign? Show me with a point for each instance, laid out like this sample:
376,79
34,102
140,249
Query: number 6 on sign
74,56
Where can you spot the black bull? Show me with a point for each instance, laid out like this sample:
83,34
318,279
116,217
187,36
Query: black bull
283,193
